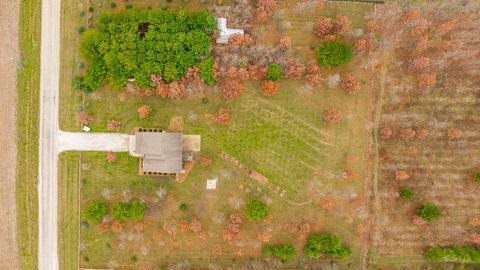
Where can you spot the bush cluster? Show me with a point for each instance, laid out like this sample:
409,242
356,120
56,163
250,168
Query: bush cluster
318,244
282,251
138,43
274,72
206,71
78,83
95,210
334,53
453,254
256,210
133,210
406,193
429,212
477,178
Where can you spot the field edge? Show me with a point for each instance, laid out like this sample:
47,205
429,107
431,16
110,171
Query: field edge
28,86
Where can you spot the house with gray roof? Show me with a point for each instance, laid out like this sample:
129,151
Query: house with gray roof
163,153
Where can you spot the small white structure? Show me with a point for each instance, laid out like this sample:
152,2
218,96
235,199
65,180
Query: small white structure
225,33
212,183
86,128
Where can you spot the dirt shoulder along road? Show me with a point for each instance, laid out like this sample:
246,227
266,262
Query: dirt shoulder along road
8,65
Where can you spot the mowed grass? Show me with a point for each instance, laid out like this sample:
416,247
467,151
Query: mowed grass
283,137
68,211
28,86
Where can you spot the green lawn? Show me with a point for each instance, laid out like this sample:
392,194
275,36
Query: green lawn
27,131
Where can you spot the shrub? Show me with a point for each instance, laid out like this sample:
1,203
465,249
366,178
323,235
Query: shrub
183,207
256,210
170,44
406,193
429,212
334,53
95,210
453,254
81,29
477,178
270,88
282,251
133,210
274,72
326,244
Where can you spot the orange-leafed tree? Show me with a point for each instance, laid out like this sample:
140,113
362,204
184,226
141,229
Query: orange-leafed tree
333,116
265,9
144,111
362,45
270,88
205,161
324,26
232,88
285,43
407,133
342,24
113,125
313,77
84,118
426,79
350,83
386,133
455,133
239,39
295,71
177,90
222,116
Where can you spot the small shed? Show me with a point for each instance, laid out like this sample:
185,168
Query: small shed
224,33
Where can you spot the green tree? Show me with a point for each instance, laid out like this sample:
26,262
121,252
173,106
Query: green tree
429,212
96,74
282,251
133,210
334,53
78,83
453,254
206,71
318,244
256,210
477,178
167,44
274,72
95,210
406,193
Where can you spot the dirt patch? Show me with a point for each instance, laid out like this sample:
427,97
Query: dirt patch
9,61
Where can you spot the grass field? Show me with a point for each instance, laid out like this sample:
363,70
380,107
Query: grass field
68,221
27,131
284,138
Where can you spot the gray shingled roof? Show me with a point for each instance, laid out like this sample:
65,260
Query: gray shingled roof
162,152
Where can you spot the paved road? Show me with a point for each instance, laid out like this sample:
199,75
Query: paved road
53,141
48,158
